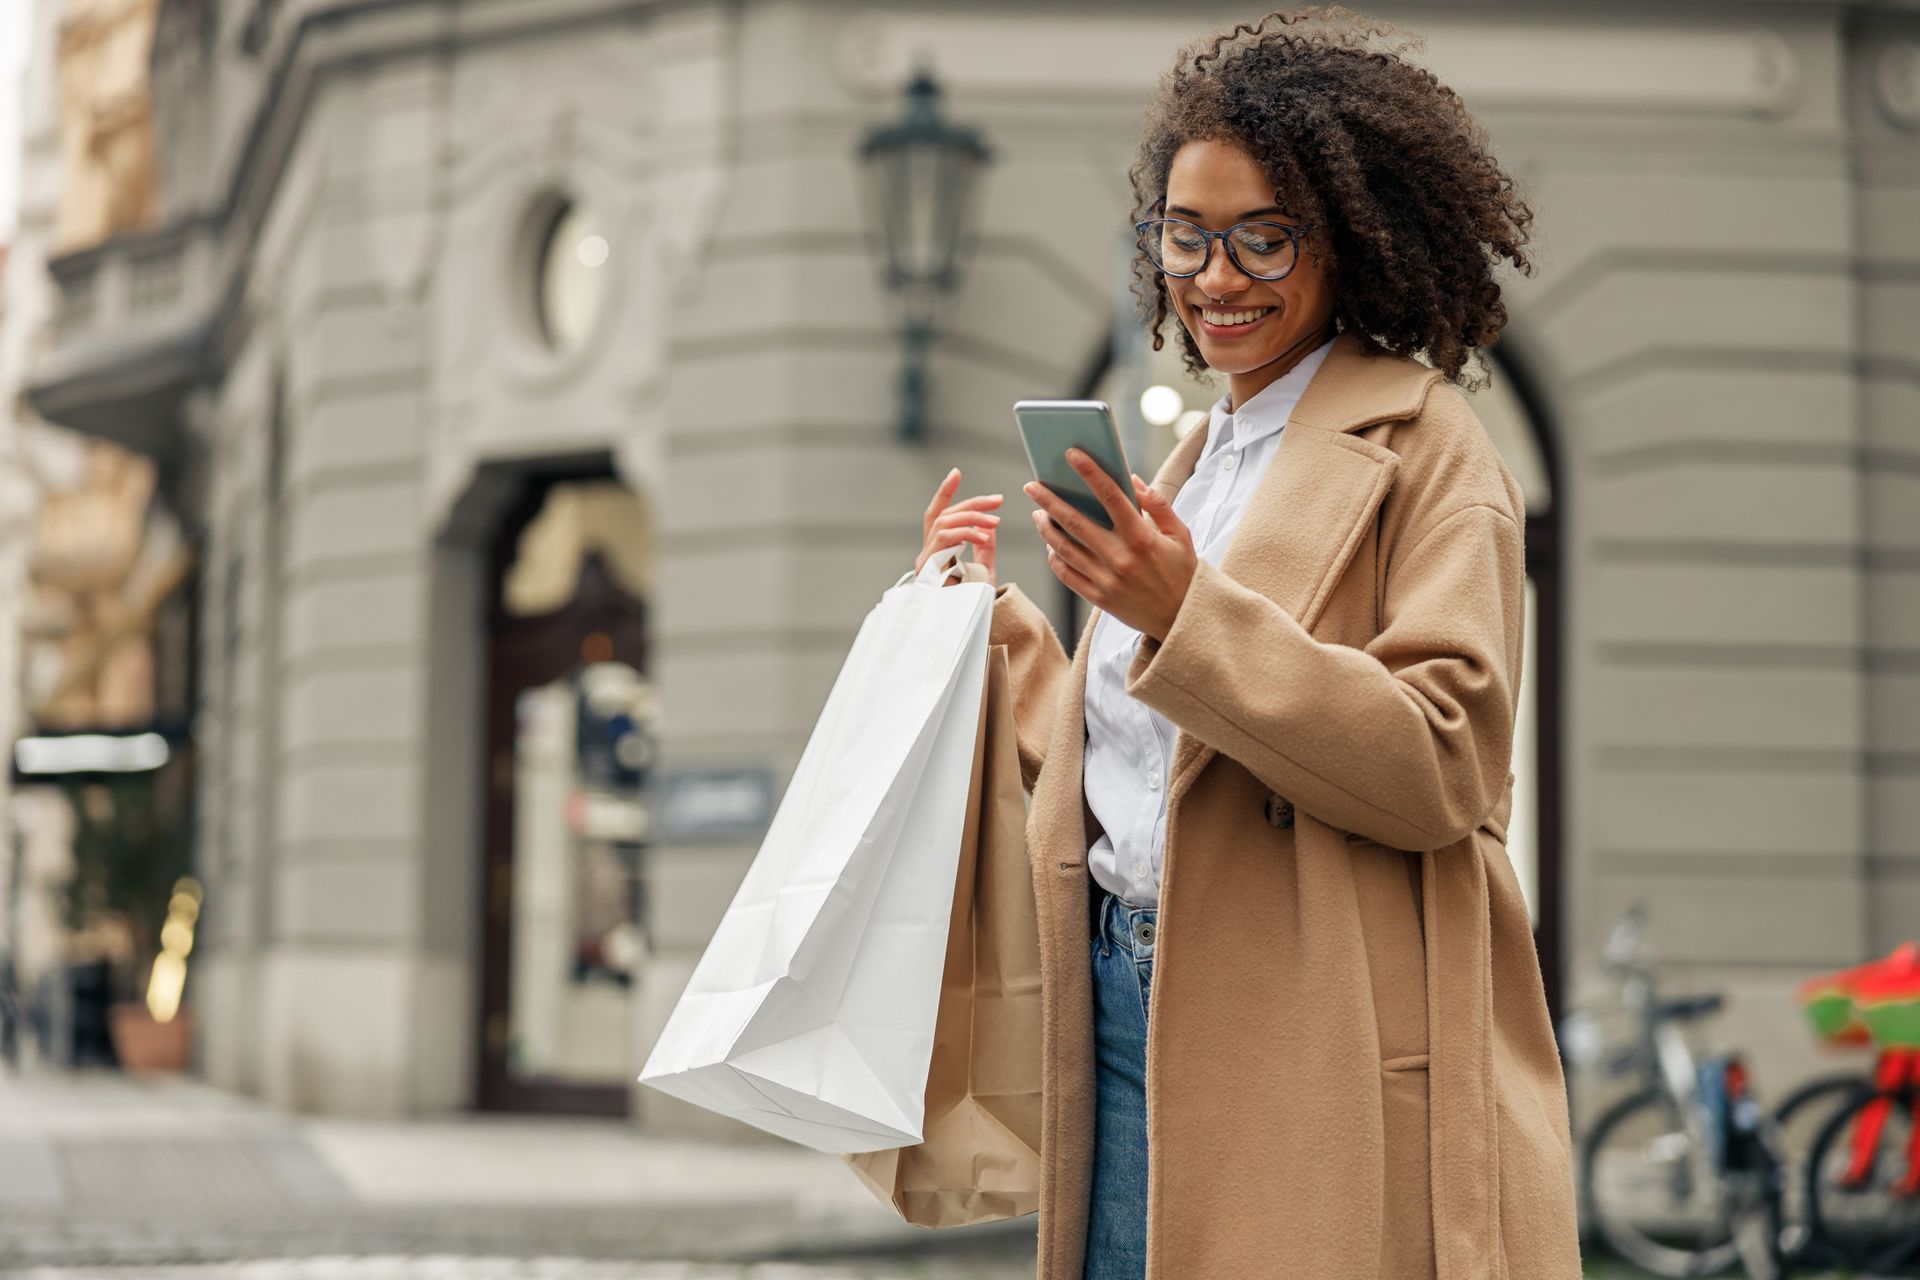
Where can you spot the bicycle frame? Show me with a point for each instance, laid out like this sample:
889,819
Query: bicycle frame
1664,1053
1896,1073
1709,1151
1668,1061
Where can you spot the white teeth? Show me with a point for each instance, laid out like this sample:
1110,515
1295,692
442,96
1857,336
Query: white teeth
1233,317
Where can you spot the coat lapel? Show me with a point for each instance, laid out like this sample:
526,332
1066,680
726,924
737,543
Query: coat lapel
1314,503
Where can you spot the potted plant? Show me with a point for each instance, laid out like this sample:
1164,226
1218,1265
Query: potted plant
132,864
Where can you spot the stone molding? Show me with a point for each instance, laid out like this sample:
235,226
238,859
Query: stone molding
535,145
1539,63
101,355
1896,83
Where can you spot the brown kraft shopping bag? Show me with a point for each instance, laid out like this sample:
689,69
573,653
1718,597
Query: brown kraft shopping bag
980,1157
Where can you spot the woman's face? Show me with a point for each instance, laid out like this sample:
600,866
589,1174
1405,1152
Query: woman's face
1242,324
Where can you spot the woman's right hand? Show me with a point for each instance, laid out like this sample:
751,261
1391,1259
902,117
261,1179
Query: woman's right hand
949,523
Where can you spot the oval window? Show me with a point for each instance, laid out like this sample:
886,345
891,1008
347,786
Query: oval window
569,275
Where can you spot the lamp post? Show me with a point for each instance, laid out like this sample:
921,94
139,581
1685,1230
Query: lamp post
920,171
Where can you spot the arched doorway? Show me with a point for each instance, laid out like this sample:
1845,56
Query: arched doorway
1514,416
570,707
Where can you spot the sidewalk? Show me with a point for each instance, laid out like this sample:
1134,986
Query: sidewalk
108,1177
109,1170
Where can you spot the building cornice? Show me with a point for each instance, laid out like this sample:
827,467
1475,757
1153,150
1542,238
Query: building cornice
86,381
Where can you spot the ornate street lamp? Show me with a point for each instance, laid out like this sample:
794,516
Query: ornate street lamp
921,171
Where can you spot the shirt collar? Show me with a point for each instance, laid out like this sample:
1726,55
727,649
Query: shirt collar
1268,410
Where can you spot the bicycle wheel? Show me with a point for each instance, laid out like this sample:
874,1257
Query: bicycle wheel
1796,1123
1651,1192
1859,1209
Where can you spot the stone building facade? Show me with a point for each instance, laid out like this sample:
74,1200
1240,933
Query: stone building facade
440,290
91,568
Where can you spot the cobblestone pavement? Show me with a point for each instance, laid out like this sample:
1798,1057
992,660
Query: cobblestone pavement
168,1177
107,1178
451,1267
1608,1269
455,1267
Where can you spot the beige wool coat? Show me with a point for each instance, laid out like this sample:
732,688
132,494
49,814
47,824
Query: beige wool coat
1350,1068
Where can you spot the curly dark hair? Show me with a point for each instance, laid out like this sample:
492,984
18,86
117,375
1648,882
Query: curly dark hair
1392,177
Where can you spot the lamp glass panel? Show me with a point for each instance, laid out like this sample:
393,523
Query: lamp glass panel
919,190
923,251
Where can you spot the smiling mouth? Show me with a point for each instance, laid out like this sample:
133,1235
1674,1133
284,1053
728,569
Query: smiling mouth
1244,318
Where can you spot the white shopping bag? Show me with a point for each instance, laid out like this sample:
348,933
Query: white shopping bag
811,1014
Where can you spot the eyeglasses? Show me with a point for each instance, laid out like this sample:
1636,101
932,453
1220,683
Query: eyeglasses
1181,249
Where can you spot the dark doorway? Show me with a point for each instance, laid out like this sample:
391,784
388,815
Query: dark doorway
1517,416
1543,571
568,747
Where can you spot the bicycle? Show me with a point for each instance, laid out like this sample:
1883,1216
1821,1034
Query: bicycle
1681,1177
1862,1177
1801,1116
1797,1122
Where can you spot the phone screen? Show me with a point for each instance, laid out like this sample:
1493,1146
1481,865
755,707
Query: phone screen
1050,427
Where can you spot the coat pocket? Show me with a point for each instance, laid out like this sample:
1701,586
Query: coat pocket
1406,1243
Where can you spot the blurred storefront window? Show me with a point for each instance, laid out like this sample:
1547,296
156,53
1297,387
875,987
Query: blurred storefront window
572,746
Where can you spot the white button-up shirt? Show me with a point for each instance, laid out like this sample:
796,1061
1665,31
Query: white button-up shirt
1130,745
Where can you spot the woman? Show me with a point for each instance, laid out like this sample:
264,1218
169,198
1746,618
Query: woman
1284,951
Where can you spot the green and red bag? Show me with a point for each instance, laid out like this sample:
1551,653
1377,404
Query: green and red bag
1875,1002
1888,1000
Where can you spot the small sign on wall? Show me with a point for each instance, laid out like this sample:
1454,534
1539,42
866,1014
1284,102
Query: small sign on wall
714,805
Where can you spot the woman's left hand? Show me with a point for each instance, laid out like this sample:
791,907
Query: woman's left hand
1139,570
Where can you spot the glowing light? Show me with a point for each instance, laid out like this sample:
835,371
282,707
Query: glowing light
91,753
176,935
1161,404
164,987
168,979
1190,419
592,251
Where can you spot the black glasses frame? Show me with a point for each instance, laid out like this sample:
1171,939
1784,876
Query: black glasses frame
1293,233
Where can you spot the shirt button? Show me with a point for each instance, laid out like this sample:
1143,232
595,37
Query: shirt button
1153,782
1227,463
1140,870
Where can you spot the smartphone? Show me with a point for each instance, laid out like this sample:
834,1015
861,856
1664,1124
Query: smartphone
1049,428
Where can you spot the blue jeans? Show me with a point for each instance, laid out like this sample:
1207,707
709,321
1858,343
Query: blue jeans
1122,982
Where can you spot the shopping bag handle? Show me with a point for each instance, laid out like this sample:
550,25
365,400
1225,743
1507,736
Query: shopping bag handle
940,566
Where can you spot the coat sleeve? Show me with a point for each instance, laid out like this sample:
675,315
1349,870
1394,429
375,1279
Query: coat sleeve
1038,668
1408,741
